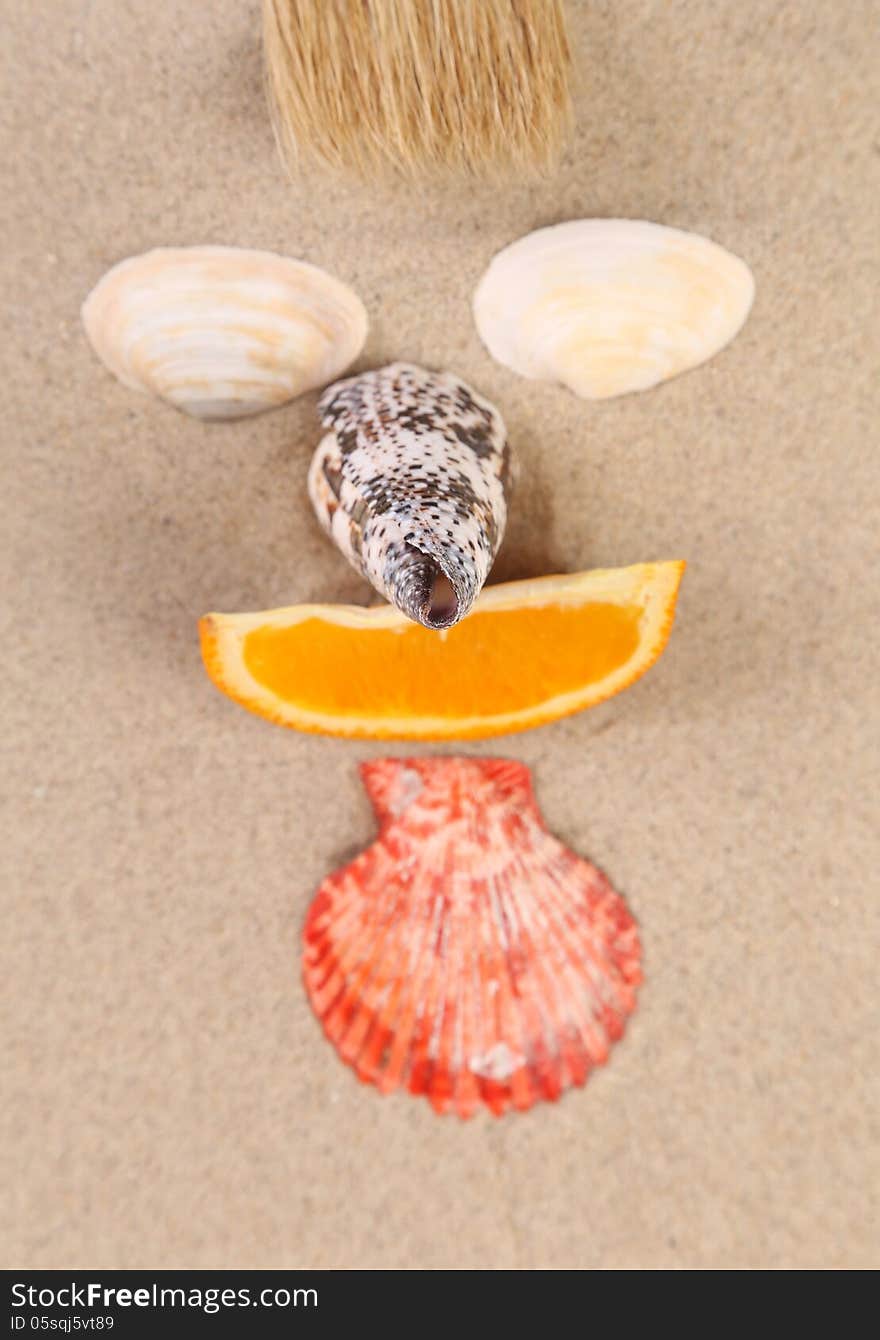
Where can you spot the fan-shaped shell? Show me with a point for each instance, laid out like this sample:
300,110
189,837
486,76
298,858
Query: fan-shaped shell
222,332
467,954
411,482
607,306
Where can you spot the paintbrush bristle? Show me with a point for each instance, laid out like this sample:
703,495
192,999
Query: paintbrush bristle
416,85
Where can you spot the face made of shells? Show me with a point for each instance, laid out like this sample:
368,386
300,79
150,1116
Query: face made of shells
411,483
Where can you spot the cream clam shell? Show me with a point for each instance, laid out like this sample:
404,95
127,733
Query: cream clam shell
607,306
223,332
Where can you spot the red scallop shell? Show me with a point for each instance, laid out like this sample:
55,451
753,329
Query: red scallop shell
467,954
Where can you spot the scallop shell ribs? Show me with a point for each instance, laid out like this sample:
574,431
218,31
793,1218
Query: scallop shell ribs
468,955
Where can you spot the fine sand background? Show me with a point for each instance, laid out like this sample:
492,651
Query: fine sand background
169,1098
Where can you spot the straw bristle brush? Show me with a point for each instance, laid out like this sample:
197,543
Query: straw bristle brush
416,85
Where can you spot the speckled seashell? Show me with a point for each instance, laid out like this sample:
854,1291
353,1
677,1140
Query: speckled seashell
467,954
222,332
411,483
607,306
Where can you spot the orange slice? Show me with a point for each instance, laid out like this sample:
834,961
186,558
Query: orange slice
529,652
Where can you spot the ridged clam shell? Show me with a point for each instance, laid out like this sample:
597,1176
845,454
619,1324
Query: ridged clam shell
468,955
411,483
223,332
607,306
